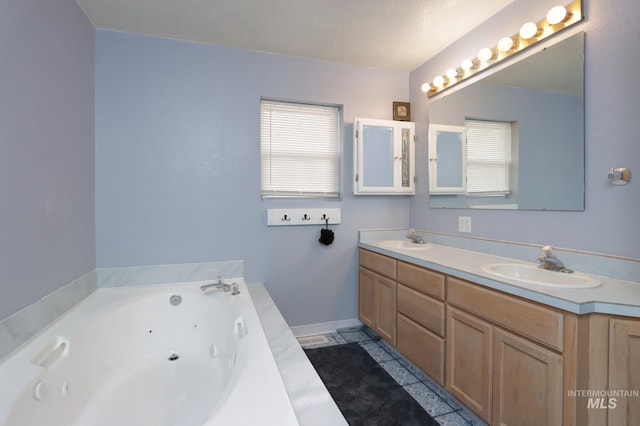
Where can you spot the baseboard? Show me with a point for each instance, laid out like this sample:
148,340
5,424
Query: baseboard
324,327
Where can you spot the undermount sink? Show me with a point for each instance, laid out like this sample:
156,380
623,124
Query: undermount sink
402,244
531,274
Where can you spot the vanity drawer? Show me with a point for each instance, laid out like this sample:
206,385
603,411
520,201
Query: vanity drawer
423,348
375,262
425,310
535,321
421,279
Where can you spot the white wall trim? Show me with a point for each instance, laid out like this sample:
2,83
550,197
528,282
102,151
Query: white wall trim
324,327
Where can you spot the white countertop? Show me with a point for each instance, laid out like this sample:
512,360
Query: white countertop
615,297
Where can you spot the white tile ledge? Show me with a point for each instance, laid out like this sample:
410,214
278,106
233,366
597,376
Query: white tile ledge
309,397
616,297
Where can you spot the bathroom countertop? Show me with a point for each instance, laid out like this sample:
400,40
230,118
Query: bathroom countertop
310,399
614,296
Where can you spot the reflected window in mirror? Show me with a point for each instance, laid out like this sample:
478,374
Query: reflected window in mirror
488,158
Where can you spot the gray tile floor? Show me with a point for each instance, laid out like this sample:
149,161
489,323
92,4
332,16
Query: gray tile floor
435,400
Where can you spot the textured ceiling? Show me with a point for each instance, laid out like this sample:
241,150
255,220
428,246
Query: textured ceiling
390,34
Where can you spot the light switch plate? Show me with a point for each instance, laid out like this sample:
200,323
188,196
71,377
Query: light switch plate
464,224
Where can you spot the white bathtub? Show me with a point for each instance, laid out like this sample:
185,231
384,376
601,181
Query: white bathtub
127,356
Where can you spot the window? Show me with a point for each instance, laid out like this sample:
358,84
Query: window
300,149
488,157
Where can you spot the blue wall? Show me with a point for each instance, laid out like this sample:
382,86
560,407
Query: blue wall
46,150
609,223
178,173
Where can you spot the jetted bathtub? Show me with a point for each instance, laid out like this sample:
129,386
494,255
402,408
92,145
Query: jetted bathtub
153,355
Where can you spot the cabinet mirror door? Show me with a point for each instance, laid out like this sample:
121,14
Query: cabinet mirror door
447,170
377,156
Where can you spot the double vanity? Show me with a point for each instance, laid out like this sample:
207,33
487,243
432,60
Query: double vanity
515,343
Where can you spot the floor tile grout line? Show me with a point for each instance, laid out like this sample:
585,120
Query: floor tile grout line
409,372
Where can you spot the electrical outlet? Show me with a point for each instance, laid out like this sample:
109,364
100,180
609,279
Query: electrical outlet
464,224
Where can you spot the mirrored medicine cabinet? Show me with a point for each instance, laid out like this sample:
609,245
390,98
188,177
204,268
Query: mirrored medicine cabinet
541,101
383,157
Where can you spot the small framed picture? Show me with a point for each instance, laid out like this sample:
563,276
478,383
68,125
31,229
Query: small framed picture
402,111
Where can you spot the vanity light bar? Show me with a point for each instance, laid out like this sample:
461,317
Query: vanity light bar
557,19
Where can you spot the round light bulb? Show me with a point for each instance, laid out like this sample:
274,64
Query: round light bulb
425,87
467,64
452,74
556,15
438,81
528,30
485,54
505,44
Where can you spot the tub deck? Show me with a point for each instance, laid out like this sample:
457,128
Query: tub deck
310,399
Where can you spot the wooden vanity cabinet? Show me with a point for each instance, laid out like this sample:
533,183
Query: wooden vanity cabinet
510,360
377,294
504,357
421,318
527,382
469,361
624,370
366,297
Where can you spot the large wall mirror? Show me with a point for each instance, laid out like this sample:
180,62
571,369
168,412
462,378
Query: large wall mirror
523,140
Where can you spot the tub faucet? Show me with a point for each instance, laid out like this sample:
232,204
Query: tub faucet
226,287
550,262
415,238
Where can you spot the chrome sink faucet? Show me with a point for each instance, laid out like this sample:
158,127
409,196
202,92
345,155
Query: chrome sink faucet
550,262
415,238
232,287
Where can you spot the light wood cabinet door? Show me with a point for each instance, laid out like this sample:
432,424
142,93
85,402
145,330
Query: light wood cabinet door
527,382
385,309
624,370
366,295
422,347
383,265
421,279
422,309
469,366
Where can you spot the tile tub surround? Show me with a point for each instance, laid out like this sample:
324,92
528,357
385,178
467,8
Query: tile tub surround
431,397
21,326
615,296
170,273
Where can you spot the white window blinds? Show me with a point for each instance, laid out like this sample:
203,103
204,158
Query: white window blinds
488,157
300,149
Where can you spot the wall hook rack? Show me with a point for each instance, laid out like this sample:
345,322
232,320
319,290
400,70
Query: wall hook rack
312,216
